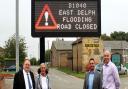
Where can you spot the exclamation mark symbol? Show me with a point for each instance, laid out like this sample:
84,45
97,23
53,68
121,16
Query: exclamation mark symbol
46,18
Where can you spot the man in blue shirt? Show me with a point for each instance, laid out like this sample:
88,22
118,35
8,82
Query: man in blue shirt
93,77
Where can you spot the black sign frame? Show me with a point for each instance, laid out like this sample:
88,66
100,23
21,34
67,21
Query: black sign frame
35,33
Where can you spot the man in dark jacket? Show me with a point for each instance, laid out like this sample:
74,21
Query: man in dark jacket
24,79
93,77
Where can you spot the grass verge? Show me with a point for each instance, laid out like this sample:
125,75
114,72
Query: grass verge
73,73
79,74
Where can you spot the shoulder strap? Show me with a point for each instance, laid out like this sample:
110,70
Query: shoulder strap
39,82
48,81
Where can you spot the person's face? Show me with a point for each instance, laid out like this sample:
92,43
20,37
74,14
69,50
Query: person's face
43,69
92,65
26,66
107,57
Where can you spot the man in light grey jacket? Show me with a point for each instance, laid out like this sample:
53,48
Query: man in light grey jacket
42,79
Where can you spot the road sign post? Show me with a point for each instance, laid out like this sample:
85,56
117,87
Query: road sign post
17,35
42,50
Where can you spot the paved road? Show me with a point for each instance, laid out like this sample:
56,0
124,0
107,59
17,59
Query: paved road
8,84
124,83
60,80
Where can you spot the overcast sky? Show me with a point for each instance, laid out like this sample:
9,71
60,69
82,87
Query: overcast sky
114,16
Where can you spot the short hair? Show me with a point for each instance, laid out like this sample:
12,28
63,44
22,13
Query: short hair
43,64
91,59
39,70
26,59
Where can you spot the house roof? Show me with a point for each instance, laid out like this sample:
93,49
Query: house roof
77,41
116,44
67,45
62,45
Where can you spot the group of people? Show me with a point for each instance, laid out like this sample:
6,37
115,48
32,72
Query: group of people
108,78
24,79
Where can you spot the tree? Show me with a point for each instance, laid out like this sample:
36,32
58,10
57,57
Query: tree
47,55
105,37
118,35
1,61
34,61
10,48
126,36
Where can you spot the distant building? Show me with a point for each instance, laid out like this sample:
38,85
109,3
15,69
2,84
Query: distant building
76,54
84,49
118,47
93,47
61,53
9,62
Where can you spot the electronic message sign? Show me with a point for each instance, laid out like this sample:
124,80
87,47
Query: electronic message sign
52,18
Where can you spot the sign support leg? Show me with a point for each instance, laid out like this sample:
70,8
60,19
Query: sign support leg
42,50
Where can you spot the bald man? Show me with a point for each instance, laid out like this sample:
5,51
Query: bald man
111,78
